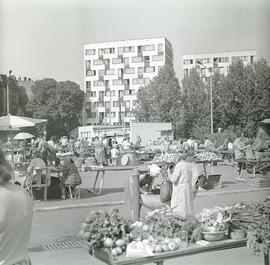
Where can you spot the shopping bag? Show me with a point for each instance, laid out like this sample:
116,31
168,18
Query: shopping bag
165,189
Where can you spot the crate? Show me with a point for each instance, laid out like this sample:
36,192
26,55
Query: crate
213,181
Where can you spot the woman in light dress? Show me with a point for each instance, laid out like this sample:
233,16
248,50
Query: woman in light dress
184,177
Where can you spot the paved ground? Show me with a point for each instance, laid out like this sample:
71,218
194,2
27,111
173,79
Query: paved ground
58,224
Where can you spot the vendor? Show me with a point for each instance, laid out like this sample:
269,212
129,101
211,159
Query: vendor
183,179
126,144
208,145
239,153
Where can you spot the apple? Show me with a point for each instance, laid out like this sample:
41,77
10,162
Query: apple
158,248
108,242
119,250
120,242
114,252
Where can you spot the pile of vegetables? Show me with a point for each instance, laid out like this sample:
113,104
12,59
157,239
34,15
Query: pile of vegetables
106,230
208,156
215,220
254,218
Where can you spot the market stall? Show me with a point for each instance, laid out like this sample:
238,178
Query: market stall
163,235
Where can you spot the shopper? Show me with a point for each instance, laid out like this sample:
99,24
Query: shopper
16,213
99,151
184,177
43,148
114,154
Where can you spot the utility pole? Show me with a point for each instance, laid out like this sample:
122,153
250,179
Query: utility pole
211,97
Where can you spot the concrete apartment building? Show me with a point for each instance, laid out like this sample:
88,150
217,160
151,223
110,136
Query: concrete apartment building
215,61
114,72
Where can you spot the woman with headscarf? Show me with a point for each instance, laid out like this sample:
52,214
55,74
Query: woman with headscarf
184,177
16,214
99,151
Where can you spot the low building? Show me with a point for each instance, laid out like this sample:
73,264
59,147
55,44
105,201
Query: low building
150,131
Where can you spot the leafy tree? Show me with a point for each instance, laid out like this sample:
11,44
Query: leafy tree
243,97
58,102
160,100
196,102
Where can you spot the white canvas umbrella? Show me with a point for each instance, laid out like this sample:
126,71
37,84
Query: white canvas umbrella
23,136
11,122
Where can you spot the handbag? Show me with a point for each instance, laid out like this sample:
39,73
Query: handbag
165,189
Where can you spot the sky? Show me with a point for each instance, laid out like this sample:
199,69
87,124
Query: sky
44,38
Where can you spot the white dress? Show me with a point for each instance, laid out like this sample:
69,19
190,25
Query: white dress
183,179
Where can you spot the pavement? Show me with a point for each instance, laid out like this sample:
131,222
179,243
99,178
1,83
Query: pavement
57,220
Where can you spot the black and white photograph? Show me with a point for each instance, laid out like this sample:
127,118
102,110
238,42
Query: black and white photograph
134,132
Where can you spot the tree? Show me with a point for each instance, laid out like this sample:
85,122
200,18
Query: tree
242,99
160,100
58,102
196,102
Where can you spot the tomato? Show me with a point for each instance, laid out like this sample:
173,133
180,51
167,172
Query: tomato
114,252
120,242
158,248
119,250
108,242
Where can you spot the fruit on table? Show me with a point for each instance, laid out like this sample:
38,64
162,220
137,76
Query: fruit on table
108,242
208,156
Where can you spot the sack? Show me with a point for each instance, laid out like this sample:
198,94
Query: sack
165,189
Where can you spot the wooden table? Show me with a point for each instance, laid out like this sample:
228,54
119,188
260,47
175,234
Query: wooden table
160,258
102,171
204,162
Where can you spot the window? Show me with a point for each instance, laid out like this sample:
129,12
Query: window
203,71
88,84
101,94
185,72
117,82
90,52
97,62
134,103
107,93
93,94
149,47
223,59
100,51
128,114
98,83
106,61
115,104
157,57
188,61
146,81
129,70
149,69
110,72
137,81
91,72
100,104
126,60
95,104
121,93
112,93
137,59
160,47
127,92
107,104
206,60
117,60
127,104
113,114
120,50
129,49
88,64
140,70
133,92
243,58
221,70
109,50
93,115
101,72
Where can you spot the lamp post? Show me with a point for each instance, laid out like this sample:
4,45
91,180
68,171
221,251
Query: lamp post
9,73
211,96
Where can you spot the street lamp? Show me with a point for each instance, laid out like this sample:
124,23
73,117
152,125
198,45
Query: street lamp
9,73
211,96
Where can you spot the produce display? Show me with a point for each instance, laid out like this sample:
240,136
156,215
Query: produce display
208,156
163,231
254,219
215,220
106,230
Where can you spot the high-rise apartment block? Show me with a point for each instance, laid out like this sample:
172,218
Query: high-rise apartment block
114,72
215,62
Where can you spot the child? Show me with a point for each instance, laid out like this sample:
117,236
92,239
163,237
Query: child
114,154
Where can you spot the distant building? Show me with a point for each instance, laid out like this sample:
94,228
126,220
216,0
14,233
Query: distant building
215,61
27,83
13,95
114,72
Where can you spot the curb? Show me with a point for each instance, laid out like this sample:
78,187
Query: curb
218,193
74,206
